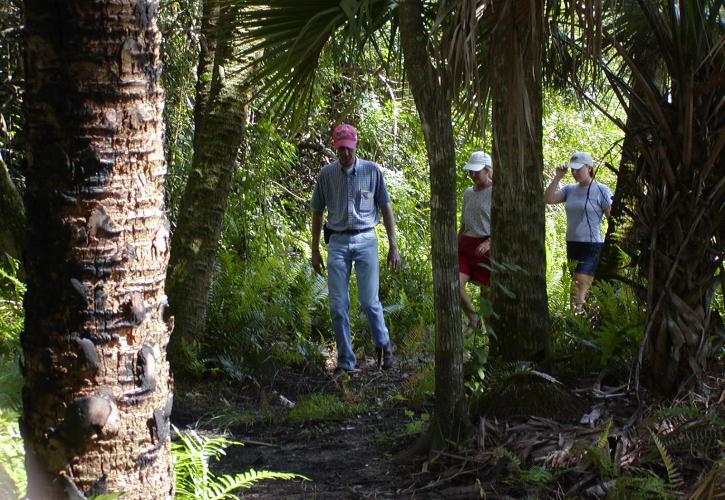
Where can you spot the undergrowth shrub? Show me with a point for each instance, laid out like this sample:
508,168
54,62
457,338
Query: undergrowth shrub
12,455
12,315
193,476
407,297
607,334
419,388
267,311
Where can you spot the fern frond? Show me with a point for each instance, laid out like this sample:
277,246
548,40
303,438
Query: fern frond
195,481
251,477
673,475
603,439
503,452
703,439
414,337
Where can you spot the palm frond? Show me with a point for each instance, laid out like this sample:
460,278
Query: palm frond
287,38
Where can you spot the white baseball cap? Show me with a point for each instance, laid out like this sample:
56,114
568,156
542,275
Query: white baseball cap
580,159
478,161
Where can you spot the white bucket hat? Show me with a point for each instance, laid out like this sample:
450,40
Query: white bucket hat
580,159
478,161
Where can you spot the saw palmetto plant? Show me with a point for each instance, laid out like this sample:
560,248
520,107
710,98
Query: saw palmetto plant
674,126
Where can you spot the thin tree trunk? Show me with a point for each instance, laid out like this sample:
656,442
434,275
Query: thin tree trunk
519,298
12,229
433,102
220,125
97,388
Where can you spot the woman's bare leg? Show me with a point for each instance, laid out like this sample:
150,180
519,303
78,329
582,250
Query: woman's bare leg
582,284
466,303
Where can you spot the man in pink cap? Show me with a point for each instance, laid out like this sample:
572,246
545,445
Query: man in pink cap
353,192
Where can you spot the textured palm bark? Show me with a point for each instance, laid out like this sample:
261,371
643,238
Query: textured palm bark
433,102
12,229
521,322
681,230
97,388
220,125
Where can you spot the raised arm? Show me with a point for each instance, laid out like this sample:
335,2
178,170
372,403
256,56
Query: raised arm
553,194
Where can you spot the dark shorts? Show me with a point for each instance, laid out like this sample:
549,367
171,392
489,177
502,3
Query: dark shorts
586,256
469,263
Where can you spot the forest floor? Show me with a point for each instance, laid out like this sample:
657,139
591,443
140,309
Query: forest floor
353,441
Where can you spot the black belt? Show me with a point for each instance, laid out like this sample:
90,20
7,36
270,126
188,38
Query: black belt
352,231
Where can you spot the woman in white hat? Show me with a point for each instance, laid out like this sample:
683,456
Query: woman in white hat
587,202
474,237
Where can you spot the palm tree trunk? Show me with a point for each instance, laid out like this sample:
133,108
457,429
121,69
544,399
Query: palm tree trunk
220,125
432,99
519,297
97,388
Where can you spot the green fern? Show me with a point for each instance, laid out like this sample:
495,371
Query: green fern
536,475
688,414
703,439
643,484
603,439
673,475
269,302
194,479
597,454
12,456
12,315
502,374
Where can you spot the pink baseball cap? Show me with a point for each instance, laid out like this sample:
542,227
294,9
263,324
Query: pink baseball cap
344,136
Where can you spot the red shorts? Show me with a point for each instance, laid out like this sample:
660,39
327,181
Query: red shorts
469,263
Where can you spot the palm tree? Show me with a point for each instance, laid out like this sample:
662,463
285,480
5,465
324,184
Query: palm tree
97,387
678,148
220,122
519,291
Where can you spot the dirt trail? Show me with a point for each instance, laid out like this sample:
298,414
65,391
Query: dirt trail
349,457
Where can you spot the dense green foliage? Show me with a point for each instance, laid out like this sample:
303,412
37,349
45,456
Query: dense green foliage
12,455
269,310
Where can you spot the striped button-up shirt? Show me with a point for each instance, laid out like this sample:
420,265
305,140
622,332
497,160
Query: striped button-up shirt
352,199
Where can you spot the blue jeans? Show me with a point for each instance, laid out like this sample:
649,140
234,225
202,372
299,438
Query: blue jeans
342,251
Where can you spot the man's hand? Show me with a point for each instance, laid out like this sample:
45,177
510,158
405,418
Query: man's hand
393,258
317,264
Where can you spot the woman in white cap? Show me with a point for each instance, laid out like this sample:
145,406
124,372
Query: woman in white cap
587,202
474,237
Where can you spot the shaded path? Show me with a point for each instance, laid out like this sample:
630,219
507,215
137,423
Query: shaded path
343,456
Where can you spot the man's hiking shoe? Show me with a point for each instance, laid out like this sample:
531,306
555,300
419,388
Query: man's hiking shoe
340,370
385,356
